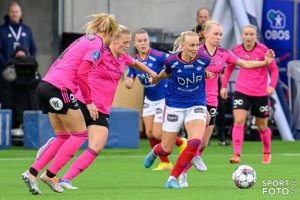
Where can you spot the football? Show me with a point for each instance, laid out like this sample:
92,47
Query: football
244,176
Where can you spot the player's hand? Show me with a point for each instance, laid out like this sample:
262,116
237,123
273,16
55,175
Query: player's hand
93,111
270,90
129,82
209,75
269,56
154,78
224,93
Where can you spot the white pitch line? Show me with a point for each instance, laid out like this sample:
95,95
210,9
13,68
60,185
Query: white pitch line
143,156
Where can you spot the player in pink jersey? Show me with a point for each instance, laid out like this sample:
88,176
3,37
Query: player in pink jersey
154,101
211,37
103,81
56,94
251,90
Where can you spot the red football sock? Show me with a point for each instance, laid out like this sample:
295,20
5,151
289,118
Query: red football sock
154,142
179,141
185,157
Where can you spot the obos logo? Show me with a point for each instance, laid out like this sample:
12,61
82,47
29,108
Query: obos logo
277,21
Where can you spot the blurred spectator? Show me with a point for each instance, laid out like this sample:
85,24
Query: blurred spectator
22,77
203,15
14,33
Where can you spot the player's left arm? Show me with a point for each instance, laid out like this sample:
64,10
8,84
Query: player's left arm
269,57
274,77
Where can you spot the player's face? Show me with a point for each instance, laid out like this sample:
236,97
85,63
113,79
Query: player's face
203,17
122,43
214,35
190,46
14,13
141,42
249,36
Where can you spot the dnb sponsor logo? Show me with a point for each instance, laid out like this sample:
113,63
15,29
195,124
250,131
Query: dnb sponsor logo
279,187
277,21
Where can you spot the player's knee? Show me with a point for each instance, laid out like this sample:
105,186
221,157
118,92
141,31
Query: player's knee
149,133
239,122
261,127
157,135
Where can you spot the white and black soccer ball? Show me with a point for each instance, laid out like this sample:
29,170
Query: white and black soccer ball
244,176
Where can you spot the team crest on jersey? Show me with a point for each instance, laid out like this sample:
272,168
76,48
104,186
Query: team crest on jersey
198,68
96,55
150,65
23,34
247,56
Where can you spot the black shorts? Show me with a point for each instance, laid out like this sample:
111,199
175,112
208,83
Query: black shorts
55,100
259,105
103,119
212,110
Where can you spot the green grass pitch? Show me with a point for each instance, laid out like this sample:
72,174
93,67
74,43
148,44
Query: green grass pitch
120,174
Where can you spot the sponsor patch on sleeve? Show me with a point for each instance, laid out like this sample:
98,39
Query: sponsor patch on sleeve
96,55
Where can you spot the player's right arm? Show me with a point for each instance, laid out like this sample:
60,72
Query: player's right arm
162,75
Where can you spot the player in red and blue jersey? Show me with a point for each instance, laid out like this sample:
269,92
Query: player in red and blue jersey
211,37
251,90
56,94
185,102
154,101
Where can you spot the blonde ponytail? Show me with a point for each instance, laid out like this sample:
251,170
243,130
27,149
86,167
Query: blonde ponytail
103,23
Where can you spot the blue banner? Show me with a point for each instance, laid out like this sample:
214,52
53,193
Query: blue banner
277,24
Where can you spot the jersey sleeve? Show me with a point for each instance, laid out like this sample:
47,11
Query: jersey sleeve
82,74
128,60
231,58
93,52
274,73
229,69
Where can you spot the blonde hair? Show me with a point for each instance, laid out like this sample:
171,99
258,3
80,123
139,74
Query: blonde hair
180,39
206,27
122,30
103,23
